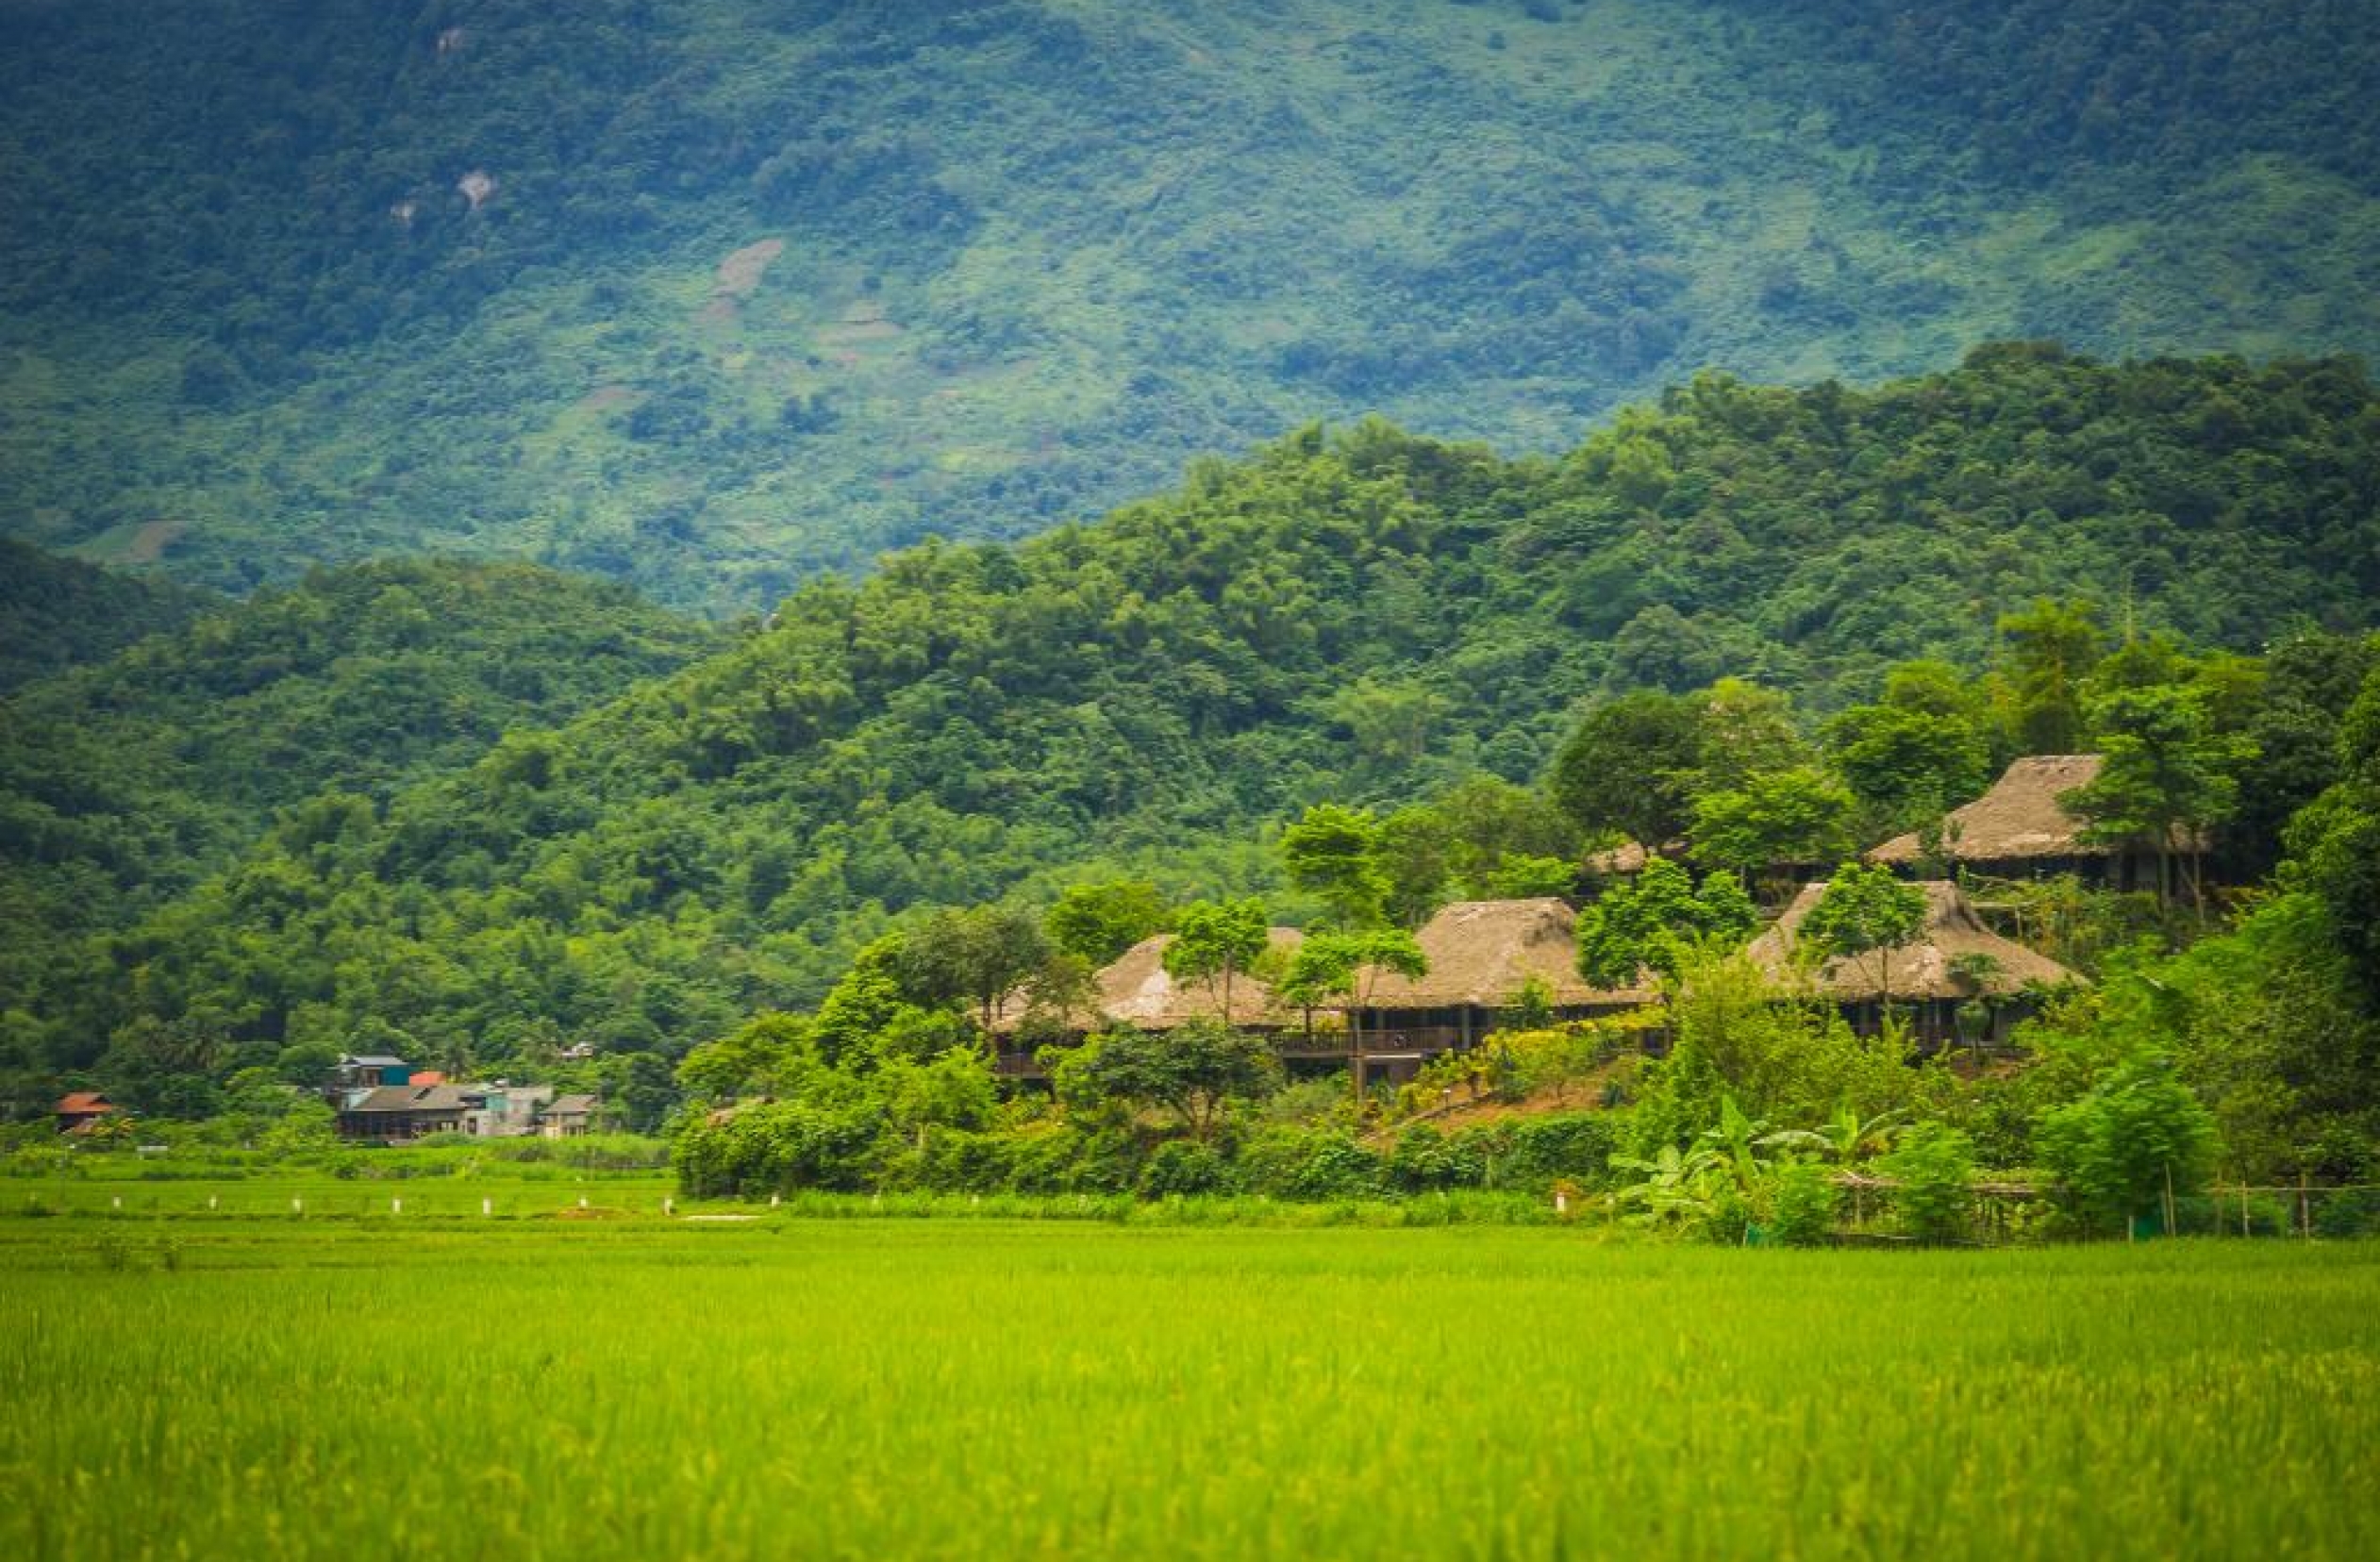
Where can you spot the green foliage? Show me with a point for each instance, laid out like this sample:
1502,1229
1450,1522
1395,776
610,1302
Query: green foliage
1216,942
2117,1149
1934,1165
1629,767
718,327
1099,922
57,613
1782,816
1333,853
1865,911
1195,1072
2052,647
1803,1201
1656,923
2167,775
1122,701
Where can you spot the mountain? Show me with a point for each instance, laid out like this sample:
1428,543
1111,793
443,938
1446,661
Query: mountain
1360,615
713,295
126,782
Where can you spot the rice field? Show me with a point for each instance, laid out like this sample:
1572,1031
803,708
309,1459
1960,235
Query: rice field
247,1385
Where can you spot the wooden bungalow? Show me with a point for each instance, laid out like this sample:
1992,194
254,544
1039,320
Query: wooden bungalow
1954,962
568,1116
1482,955
80,1110
399,1114
2020,829
1135,990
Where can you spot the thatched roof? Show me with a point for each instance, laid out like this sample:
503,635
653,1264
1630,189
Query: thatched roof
1139,992
1482,952
1920,970
2020,817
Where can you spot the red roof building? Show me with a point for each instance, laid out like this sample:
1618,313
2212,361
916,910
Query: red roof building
77,1110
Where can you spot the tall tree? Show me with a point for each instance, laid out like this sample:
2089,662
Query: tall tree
1864,911
1348,967
1333,853
979,954
1656,923
1099,922
1214,941
1631,766
1793,817
2052,648
2168,776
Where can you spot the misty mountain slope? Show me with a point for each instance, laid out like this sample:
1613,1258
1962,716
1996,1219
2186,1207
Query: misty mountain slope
710,295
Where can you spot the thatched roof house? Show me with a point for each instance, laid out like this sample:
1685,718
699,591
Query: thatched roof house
1926,973
1482,953
1135,990
2020,828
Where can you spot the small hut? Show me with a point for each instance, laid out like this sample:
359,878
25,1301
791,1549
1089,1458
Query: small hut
1135,990
1481,955
80,1111
1955,961
2020,829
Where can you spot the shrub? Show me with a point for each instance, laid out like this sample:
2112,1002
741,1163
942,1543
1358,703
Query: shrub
1185,1167
2114,1149
1935,1166
1311,1164
1576,1145
1801,1205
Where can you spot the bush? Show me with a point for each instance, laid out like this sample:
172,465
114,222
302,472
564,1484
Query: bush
1186,1168
1801,1205
1576,1145
2116,1150
1311,1164
1935,1166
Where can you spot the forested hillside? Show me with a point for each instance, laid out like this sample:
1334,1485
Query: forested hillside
1358,616
59,612
122,783
711,293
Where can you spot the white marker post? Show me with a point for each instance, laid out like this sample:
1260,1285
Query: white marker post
487,1207
210,1204
396,1206
582,1201
117,1202
297,1206
669,1206
1561,1202
773,1201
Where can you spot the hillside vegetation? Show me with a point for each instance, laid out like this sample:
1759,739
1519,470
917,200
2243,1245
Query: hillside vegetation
1359,616
124,782
56,613
711,293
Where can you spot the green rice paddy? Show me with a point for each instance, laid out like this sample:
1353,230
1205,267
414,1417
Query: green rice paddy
255,1386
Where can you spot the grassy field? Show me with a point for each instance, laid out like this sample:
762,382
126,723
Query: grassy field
631,1387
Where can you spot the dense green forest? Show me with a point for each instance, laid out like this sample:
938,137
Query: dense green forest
124,782
57,613
710,293
1359,616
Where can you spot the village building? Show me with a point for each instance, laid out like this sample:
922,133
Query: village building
78,1111
568,1116
1135,990
368,1072
500,1110
2020,829
1958,983
1482,955
399,1114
